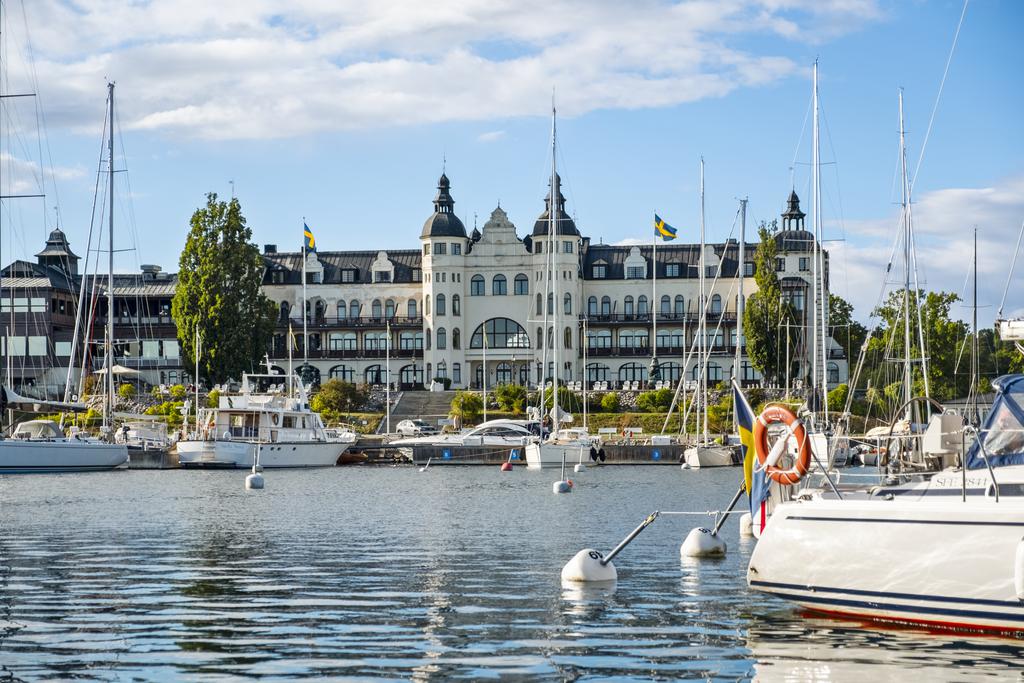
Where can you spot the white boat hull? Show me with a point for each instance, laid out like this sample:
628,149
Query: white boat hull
927,563
710,456
242,454
24,457
540,455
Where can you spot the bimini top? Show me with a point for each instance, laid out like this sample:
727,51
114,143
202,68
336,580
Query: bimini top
1003,431
443,222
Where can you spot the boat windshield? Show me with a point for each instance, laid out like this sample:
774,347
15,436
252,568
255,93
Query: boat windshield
1003,431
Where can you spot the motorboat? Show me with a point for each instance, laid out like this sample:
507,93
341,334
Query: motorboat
41,446
712,455
270,414
566,446
497,434
944,551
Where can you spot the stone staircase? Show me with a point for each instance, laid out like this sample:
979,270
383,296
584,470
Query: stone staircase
427,405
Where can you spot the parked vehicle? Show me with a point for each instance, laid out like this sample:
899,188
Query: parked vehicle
415,428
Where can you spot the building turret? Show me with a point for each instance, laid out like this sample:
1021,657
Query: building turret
58,254
444,222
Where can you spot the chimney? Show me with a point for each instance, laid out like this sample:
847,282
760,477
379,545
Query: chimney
269,248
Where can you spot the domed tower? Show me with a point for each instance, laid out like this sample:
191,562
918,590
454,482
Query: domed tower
560,254
444,243
57,253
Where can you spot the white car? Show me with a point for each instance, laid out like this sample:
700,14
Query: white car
415,428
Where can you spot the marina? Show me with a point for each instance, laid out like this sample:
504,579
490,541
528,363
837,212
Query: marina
455,574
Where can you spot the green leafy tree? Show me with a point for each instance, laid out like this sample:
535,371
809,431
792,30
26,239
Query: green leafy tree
510,397
765,311
468,406
847,332
336,397
219,276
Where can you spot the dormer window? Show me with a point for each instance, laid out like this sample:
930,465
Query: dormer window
348,275
599,272
672,270
634,272
382,276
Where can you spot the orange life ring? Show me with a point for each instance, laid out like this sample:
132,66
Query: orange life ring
776,414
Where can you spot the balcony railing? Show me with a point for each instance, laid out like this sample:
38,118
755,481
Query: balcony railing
281,351
643,318
326,321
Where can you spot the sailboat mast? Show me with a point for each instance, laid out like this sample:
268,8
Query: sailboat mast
109,346
907,374
816,384
552,244
973,393
702,328
740,306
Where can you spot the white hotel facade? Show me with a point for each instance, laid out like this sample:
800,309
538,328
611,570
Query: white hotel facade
438,301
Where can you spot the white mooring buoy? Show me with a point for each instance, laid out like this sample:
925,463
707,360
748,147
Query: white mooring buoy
563,486
746,524
685,466
254,480
579,467
586,567
702,542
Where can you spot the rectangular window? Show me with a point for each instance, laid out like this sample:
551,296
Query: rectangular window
780,265
62,348
348,275
171,348
634,272
38,305
444,277
672,270
415,274
748,269
599,272
440,248
150,348
382,276
712,271
17,346
805,264
426,249
37,345
567,247
456,249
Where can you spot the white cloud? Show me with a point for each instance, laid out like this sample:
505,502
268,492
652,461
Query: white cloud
631,242
23,176
943,225
491,136
277,68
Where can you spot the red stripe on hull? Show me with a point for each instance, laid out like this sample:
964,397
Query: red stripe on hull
927,624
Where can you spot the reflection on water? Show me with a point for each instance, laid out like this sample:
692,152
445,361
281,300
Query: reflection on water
449,573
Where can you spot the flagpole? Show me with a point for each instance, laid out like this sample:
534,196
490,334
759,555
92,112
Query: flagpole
654,308
387,388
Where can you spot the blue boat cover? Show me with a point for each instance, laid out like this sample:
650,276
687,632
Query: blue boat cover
1003,431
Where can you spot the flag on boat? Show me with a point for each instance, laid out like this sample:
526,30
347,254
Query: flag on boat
292,339
753,477
663,229
310,241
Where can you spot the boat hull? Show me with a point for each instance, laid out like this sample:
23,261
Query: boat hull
242,454
929,564
28,457
541,455
710,456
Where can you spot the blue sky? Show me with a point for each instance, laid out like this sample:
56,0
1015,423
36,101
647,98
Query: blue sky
342,113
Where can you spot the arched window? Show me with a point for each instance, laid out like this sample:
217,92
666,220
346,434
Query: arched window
411,375
503,373
592,306
285,308
426,337
411,308
666,305
567,338
456,304
353,309
606,305
476,285
670,371
567,301
627,306
522,284
641,305
456,339
426,305
341,311
442,370
632,372
633,339
375,374
439,305
695,372
597,372
501,333
540,336
714,372
833,373
551,337
389,308
342,372
669,338
540,304
551,303
456,373
680,306
376,308
716,304
599,339
408,341
442,339
499,287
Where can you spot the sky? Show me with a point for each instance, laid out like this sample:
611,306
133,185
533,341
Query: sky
343,114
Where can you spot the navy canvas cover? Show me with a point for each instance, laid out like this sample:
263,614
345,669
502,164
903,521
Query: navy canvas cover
1003,431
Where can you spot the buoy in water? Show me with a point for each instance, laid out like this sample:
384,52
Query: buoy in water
586,567
685,466
702,543
579,467
254,481
561,487
506,467
746,524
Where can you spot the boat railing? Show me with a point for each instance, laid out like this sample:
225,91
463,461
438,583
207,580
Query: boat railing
984,456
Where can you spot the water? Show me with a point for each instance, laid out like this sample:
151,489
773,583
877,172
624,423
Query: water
390,572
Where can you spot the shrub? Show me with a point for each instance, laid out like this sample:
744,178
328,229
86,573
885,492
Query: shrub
468,406
336,397
837,398
213,400
510,397
654,401
610,402
126,391
178,392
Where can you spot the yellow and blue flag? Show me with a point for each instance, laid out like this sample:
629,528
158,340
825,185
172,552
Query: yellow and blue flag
753,476
310,241
663,229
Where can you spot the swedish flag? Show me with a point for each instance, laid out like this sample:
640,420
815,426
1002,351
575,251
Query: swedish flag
663,229
753,476
310,242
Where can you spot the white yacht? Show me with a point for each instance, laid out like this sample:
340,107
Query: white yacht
942,552
711,455
498,434
264,415
573,446
40,446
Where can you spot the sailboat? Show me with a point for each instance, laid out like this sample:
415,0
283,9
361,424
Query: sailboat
705,453
561,445
40,445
